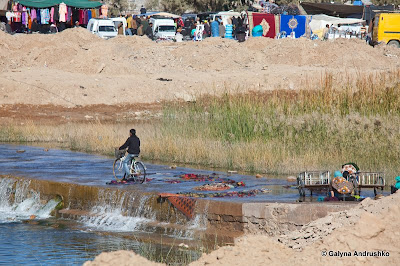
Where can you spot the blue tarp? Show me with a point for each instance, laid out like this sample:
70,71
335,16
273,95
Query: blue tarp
296,24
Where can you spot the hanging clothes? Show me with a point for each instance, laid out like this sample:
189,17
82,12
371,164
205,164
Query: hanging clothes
86,17
33,14
56,14
81,16
29,23
9,15
62,11
93,11
89,15
24,17
52,15
39,16
69,14
75,16
104,10
45,16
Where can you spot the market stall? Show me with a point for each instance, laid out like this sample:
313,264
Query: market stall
64,13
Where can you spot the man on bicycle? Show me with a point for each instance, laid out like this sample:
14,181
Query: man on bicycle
133,145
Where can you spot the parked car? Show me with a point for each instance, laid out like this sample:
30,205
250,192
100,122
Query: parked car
387,29
163,28
104,28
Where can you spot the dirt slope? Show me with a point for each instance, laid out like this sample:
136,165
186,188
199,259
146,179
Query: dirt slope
77,68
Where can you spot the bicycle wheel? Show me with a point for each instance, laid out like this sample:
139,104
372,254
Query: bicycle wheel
140,172
118,170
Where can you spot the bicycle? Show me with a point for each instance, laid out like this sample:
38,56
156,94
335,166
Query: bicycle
137,168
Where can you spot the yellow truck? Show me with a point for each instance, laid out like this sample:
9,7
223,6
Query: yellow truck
387,29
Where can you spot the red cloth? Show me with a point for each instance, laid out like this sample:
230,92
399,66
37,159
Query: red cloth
184,204
267,21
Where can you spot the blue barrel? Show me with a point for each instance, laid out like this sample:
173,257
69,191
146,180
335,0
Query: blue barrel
257,31
229,31
214,29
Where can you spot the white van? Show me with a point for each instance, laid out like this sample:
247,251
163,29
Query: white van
120,20
225,15
163,28
104,28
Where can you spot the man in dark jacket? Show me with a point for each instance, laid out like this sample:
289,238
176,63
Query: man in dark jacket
149,31
133,145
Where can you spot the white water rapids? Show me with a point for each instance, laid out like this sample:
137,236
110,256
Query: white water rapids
18,202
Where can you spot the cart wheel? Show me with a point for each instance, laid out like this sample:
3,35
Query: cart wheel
300,186
380,184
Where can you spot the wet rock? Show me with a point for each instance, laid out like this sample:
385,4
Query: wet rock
258,176
20,151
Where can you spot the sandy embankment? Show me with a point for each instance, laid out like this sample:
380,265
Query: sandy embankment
77,68
372,226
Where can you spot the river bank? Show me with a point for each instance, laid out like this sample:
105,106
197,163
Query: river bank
277,132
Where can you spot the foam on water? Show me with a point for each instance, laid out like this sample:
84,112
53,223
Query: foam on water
111,213
18,203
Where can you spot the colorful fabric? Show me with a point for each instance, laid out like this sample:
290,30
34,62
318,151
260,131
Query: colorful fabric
214,187
33,14
240,194
45,16
268,22
229,31
52,14
349,168
337,174
184,204
342,186
293,25
397,185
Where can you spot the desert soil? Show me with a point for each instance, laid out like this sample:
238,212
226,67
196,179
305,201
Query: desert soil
76,76
76,68
372,226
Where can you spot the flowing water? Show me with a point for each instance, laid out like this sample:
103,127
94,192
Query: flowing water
30,236
118,219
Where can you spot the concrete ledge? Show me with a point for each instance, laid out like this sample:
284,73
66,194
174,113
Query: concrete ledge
276,218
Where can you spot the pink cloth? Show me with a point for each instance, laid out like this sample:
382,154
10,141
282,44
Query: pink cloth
52,14
33,14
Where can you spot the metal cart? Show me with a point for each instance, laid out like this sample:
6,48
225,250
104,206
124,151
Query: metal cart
313,180
375,180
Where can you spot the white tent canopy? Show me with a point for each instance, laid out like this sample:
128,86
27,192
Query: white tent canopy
319,21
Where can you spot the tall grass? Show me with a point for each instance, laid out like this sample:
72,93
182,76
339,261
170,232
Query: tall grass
286,131
278,131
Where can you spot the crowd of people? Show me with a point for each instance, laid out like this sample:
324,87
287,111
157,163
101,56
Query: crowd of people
189,28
